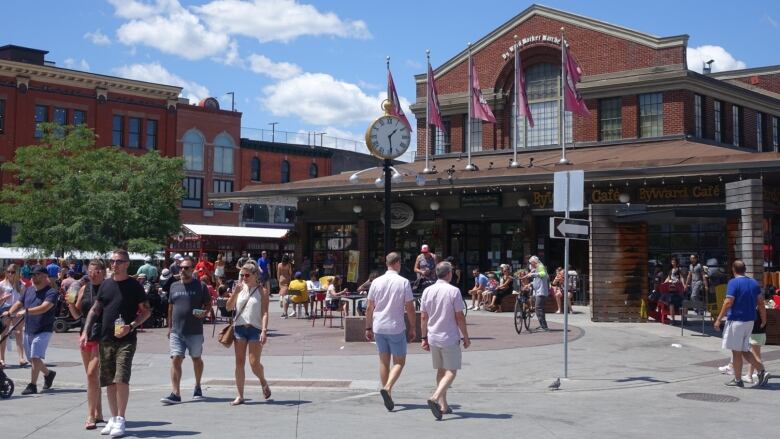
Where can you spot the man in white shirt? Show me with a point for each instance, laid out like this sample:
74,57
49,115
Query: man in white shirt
442,323
389,296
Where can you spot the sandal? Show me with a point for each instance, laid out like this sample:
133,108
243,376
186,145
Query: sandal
266,391
237,401
23,364
90,424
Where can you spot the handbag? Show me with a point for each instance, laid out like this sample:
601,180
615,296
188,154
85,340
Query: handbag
227,335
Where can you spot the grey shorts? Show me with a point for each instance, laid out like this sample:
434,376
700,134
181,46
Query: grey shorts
35,344
448,357
736,336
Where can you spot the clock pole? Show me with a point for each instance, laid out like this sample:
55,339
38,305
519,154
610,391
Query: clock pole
388,202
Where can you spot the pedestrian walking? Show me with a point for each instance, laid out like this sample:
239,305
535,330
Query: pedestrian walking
37,306
121,307
89,348
541,287
442,324
389,296
189,301
11,289
250,327
743,295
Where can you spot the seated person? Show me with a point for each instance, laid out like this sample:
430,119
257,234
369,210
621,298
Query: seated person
503,289
490,290
313,284
222,298
297,294
334,294
363,289
557,290
480,283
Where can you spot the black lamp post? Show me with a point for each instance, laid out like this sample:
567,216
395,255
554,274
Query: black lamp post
388,202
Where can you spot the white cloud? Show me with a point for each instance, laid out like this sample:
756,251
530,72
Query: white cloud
321,99
281,70
232,57
98,38
169,28
154,72
276,20
772,22
724,61
71,63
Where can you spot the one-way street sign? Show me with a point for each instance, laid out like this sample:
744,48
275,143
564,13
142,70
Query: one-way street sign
561,228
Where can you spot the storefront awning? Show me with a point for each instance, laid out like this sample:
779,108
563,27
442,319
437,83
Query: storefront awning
669,214
13,253
238,232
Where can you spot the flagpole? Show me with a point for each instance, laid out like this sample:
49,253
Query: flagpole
427,170
469,166
516,109
564,78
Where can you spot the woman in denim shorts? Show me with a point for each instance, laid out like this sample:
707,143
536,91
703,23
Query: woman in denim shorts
251,327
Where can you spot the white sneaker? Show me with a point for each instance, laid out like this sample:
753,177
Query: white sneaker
727,369
109,425
118,430
292,314
747,379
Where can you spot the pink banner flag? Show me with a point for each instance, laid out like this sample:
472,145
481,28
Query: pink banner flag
523,109
392,95
434,113
480,107
572,99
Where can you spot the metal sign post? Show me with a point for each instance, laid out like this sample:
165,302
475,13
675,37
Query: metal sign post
569,192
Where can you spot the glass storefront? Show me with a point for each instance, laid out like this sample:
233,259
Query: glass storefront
407,242
686,237
330,244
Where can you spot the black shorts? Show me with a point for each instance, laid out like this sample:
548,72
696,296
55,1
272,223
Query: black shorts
672,299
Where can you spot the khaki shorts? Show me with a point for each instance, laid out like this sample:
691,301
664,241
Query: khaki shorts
757,339
116,360
448,358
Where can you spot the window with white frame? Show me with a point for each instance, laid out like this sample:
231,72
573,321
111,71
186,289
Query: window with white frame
542,85
475,134
223,154
610,119
651,115
736,125
441,139
193,151
717,115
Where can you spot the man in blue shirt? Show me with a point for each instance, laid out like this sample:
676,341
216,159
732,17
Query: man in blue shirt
37,306
480,282
265,275
743,295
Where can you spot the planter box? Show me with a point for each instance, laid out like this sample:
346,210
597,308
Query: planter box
773,326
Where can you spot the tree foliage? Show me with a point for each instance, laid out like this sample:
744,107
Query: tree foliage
72,195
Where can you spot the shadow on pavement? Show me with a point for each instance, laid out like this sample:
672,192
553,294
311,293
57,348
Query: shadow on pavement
141,424
287,403
642,378
405,407
472,415
160,433
63,391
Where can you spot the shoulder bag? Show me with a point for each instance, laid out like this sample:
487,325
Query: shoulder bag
227,335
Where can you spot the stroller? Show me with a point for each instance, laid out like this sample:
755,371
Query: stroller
6,384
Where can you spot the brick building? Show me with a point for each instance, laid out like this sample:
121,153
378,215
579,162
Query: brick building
676,162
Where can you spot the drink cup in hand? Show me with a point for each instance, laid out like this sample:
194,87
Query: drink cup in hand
197,312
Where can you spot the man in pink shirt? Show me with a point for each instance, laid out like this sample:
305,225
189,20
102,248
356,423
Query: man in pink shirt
389,296
442,323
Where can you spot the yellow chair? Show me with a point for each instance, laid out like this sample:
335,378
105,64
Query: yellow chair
720,297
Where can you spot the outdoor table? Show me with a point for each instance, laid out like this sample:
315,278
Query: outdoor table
354,297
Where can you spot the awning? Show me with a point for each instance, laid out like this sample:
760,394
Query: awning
34,253
238,232
669,214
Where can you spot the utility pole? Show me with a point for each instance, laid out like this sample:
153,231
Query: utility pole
273,130
232,100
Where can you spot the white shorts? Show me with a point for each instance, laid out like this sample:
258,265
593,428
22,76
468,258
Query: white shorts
736,336
448,358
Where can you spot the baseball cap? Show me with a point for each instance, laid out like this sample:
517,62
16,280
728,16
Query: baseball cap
178,257
424,248
38,269
165,275
298,274
148,259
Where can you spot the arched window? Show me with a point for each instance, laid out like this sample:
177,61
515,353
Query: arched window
285,171
313,170
255,171
223,154
543,90
193,151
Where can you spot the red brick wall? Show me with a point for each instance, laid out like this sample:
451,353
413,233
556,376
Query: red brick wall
767,82
678,112
20,114
727,125
629,117
271,166
749,120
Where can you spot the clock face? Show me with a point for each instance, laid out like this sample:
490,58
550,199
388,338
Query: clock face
388,137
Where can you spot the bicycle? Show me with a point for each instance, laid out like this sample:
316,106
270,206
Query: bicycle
523,313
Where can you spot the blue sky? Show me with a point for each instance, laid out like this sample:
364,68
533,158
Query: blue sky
320,65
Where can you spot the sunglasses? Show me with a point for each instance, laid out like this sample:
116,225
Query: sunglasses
117,261
10,272
186,268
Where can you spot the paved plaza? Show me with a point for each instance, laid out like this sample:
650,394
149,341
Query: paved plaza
624,381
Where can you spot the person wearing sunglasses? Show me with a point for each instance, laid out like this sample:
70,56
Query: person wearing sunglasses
11,289
37,307
189,302
121,306
250,301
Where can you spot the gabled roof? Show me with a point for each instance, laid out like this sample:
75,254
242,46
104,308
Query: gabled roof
564,17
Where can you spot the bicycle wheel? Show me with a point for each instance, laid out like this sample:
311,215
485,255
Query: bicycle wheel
527,314
519,317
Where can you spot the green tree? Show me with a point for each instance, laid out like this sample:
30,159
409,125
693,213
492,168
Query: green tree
72,195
